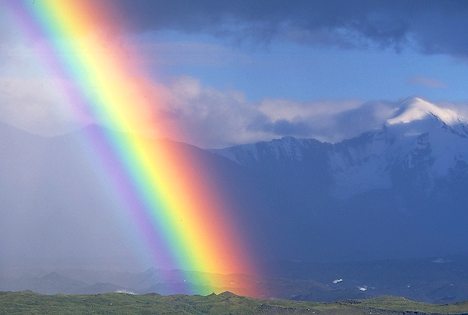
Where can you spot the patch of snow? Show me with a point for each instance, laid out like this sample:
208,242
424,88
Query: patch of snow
125,292
418,109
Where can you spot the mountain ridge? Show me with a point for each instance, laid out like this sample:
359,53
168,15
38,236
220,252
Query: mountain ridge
396,192
401,140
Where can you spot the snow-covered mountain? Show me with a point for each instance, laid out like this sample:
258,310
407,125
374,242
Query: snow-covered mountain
397,191
420,138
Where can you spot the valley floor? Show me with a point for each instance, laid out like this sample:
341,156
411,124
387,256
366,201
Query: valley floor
224,303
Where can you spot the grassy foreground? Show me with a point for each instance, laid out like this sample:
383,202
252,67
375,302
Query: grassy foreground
225,303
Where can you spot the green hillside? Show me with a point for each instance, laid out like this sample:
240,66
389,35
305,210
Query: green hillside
225,303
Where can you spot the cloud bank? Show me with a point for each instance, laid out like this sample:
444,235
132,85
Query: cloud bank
430,26
211,117
206,117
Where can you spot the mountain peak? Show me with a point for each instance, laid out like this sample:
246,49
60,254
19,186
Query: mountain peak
416,109
227,294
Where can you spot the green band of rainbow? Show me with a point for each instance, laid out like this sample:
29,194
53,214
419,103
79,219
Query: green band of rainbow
172,197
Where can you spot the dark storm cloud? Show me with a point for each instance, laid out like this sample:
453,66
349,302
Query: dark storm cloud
430,26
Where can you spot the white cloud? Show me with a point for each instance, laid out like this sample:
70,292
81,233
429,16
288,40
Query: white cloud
210,117
36,105
33,100
214,118
202,115
286,109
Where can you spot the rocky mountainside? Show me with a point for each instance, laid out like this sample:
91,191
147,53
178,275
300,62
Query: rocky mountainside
399,190
420,138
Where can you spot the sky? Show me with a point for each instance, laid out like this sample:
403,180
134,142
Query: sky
244,71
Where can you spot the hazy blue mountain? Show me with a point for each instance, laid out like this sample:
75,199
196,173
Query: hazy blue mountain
55,206
436,280
395,192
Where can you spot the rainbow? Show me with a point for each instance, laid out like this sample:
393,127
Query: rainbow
181,213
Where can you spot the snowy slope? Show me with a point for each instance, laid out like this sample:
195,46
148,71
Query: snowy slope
419,136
